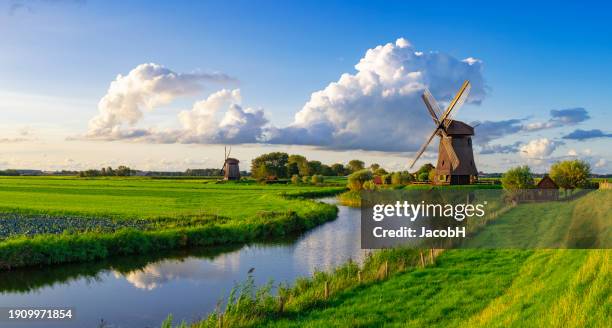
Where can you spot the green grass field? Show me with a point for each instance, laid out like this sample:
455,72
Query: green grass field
145,198
47,220
464,287
479,288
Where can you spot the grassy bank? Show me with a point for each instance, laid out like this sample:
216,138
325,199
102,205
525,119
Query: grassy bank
170,215
475,287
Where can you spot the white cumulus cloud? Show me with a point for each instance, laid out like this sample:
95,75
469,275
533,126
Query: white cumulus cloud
145,87
379,107
538,148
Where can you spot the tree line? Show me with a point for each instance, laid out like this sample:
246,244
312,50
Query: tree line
121,171
280,165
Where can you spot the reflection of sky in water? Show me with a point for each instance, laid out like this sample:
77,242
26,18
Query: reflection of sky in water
191,287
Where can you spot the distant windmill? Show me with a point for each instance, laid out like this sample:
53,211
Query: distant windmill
455,154
230,169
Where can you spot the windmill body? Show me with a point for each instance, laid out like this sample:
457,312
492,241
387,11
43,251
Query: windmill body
231,170
459,136
455,155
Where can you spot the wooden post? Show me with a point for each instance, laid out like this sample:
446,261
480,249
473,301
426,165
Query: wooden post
386,269
431,255
422,260
359,276
326,292
220,320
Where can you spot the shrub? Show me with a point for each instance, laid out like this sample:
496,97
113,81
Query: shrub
305,179
356,180
423,176
317,178
369,185
518,178
386,179
295,179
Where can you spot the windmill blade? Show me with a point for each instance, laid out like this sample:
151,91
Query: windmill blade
422,150
229,152
460,101
457,101
450,151
432,106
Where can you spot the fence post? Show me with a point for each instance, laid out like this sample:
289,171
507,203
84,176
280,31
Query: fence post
431,255
422,259
221,320
359,276
326,291
386,268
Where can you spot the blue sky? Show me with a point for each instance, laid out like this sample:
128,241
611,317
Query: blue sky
57,60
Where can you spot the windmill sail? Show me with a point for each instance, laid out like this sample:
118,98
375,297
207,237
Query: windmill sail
432,106
457,102
422,150
450,151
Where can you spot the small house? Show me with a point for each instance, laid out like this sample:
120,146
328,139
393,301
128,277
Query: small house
547,189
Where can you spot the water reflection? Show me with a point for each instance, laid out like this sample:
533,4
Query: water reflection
141,291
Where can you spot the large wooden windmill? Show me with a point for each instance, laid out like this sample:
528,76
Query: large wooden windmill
455,155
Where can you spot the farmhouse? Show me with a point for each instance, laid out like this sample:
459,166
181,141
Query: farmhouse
547,189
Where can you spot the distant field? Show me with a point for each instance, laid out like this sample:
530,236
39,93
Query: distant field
144,197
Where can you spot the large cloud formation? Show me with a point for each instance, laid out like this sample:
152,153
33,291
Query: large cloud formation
145,87
379,107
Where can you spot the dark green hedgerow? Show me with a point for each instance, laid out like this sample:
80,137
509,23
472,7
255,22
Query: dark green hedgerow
86,246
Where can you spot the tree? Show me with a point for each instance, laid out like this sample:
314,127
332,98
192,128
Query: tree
423,176
326,170
298,162
374,167
355,165
401,178
295,179
425,168
338,169
571,174
356,179
380,172
270,165
518,178
305,179
314,167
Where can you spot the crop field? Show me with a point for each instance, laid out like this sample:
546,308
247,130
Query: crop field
149,213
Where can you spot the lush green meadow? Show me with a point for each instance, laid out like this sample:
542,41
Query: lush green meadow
53,220
460,288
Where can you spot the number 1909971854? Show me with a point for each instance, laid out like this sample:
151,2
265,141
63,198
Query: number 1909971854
36,314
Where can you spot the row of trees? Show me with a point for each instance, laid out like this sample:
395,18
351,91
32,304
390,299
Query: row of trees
567,174
282,165
121,171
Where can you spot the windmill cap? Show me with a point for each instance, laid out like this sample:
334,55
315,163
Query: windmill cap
459,128
232,160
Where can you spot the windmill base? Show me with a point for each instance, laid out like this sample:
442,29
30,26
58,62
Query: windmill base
454,179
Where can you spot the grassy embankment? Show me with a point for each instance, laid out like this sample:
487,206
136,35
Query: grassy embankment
353,199
476,287
46,220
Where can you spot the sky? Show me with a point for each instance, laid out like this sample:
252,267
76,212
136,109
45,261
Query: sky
164,86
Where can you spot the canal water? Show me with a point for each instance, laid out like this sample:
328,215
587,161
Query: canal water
142,291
